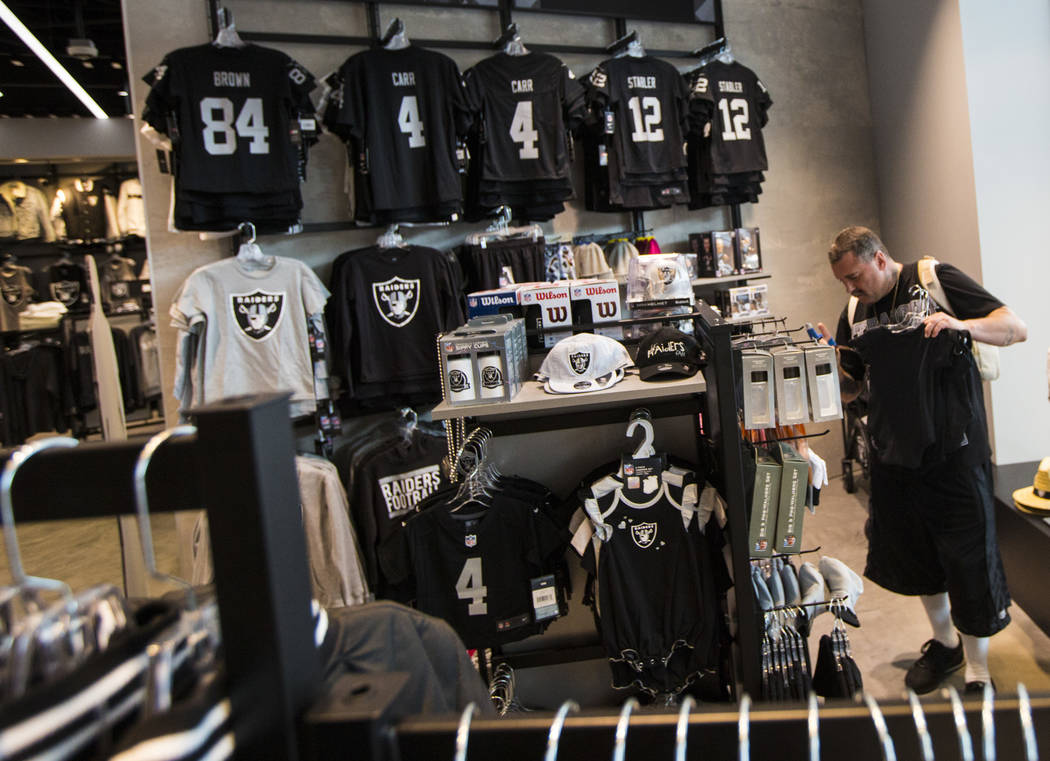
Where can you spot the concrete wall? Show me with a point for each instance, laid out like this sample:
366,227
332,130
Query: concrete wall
964,168
819,138
55,140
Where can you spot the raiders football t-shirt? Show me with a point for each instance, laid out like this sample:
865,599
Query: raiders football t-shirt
15,292
67,284
254,325
738,104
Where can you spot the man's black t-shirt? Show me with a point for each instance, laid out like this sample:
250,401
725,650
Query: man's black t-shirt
968,300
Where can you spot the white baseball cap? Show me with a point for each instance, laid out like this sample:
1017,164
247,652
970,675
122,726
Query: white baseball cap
583,362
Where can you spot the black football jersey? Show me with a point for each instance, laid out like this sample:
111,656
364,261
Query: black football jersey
525,105
476,572
231,111
649,104
67,284
738,104
404,108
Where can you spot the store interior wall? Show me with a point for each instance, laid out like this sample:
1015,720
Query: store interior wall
58,139
964,169
821,177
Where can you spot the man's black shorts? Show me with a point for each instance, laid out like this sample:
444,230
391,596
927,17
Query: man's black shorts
933,530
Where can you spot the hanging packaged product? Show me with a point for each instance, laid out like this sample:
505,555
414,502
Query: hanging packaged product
747,251
756,374
793,481
765,503
822,375
789,369
547,308
594,302
484,361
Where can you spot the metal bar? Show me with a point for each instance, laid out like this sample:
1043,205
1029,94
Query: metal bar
103,471
261,575
505,15
374,32
605,416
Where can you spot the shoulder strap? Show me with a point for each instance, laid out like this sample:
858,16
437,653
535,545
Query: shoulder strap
851,309
928,278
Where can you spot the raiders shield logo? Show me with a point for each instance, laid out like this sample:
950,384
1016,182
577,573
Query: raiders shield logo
458,381
580,361
397,300
667,275
491,377
66,291
119,289
643,534
258,313
12,293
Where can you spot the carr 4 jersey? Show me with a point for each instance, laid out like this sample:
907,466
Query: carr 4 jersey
229,112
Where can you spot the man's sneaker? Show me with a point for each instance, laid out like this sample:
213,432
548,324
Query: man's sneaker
977,688
935,663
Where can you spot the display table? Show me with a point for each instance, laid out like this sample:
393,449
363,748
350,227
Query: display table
1024,542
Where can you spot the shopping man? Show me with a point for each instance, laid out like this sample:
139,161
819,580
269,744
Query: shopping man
931,526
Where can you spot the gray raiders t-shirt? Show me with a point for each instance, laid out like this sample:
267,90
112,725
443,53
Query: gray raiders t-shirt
256,339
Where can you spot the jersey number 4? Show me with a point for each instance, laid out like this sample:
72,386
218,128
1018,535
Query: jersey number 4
410,123
469,586
522,131
734,119
221,131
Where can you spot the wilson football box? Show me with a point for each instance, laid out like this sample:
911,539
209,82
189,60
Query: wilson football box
547,307
593,302
765,502
484,361
496,301
794,480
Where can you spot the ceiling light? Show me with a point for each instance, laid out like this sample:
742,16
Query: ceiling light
122,93
44,55
88,64
21,161
17,62
116,65
83,49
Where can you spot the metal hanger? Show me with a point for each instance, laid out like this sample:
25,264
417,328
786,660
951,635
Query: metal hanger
620,749
813,725
249,252
925,742
554,735
463,732
142,507
391,238
227,36
395,37
743,729
888,751
965,742
1024,708
681,734
988,723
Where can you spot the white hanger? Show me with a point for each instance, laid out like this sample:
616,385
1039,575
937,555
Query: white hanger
640,418
249,254
395,37
227,36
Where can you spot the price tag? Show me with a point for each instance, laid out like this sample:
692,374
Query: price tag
544,597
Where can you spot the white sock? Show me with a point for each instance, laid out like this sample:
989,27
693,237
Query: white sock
940,614
976,649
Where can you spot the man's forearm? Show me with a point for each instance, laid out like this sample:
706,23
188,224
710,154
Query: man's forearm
1001,327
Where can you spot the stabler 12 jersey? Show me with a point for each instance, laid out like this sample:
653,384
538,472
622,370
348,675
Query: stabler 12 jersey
403,110
649,106
229,112
740,105
525,105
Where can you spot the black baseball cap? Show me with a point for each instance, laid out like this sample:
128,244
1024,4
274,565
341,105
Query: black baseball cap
667,352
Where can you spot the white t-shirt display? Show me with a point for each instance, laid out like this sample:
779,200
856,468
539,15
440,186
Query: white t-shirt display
251,323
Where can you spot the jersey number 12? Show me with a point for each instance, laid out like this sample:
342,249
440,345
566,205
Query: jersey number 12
647,117
249,124
734,119
470,587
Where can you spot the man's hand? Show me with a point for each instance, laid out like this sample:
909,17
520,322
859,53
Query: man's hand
825,336
939,321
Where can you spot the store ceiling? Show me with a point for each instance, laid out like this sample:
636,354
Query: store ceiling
28,86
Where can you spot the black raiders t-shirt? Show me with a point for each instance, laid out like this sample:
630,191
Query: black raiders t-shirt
404,108
968,300
649,102
67,284
476,572
525,105
738,105
233,110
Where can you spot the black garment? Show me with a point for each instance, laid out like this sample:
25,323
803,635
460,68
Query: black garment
67,284
388,486
34,392
15,292
115,274
968,300
386,310
484,267
83,209
523,109
738,105
474,569
230,113
932,530
402,109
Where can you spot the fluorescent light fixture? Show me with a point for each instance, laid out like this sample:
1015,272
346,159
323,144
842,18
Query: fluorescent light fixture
52,63
122,93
